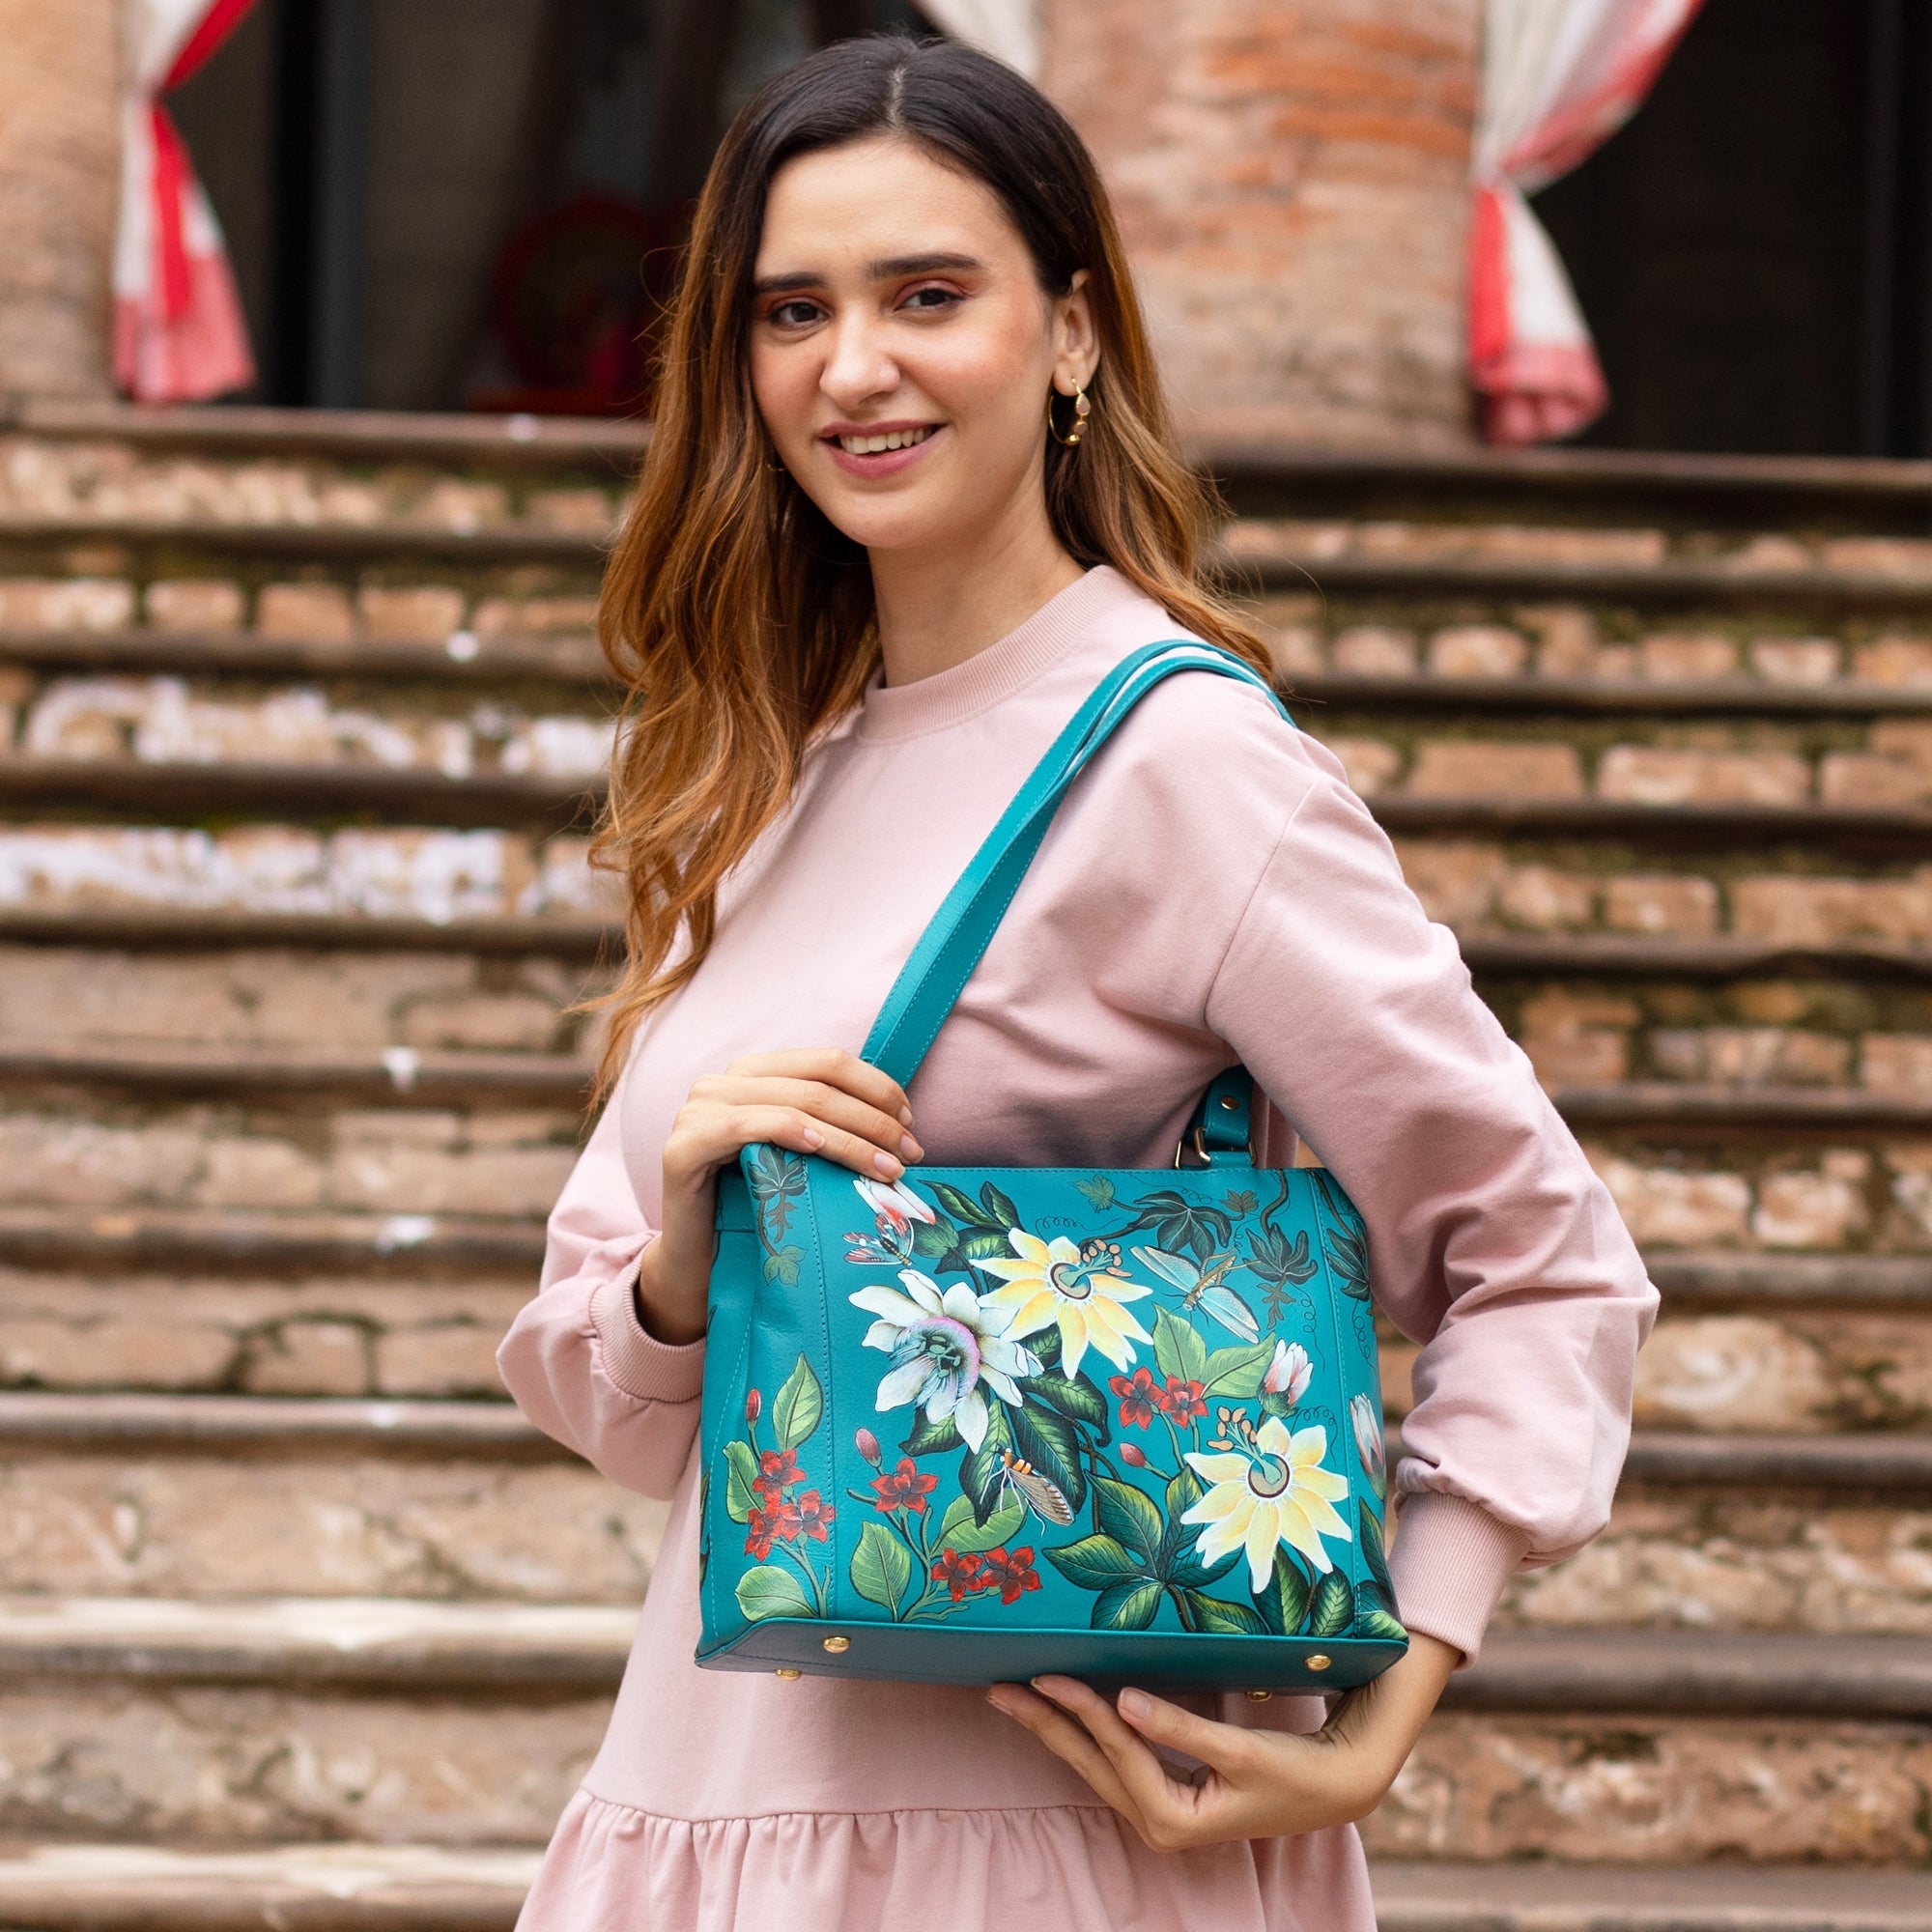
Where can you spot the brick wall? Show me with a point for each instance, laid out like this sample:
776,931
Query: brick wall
60,159
1292,178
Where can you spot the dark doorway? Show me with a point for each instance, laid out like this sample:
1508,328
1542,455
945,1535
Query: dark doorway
444,204
1753,250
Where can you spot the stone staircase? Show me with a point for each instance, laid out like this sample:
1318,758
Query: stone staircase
299,1624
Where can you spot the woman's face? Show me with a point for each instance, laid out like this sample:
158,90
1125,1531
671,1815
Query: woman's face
902,348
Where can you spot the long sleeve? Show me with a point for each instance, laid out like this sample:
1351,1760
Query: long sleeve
577,1359
1491,1239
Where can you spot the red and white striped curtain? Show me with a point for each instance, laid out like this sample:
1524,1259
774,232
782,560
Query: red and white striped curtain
1559,79
179,333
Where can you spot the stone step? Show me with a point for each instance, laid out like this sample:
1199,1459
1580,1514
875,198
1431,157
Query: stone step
223,1750
302,1888
410,1645
460,657
291,1243
406,1074
401,1333
1414,1896
1611,693
1482,561
368,1888
426,1077
1615,1788
235,1497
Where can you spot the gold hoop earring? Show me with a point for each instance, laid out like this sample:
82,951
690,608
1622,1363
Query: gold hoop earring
1082,410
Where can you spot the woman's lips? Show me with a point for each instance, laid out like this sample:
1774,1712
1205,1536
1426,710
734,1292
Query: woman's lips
883,461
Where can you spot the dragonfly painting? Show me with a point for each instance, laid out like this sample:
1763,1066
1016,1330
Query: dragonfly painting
1204,1286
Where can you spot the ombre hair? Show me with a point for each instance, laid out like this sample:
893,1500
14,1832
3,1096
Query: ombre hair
739,620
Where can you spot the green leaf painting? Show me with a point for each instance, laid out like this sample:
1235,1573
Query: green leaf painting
961,1529
1128,1605
881,1568
1100,1191
1333,1608
1374,1553
1097,1563
1218,1619
1235,1374
932,1438
799,1405
1177,1350
1285,1598
741,1469
768,1591
1125,1513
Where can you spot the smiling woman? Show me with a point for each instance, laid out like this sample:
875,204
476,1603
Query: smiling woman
911,506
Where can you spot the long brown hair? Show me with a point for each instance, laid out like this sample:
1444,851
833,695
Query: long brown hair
738,618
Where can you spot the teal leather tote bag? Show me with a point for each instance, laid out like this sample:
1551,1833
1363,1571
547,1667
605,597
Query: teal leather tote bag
989,1422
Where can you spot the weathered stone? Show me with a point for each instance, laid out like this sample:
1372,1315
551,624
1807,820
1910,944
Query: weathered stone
187,604
1895,660
1546,899
1494,768
1477,650
1566,635
534,616
1673,1208
1754,1054
261,1765
1270,167
1456,880
1909,557
310,612
329,1526
1859,777
1748,1562
1653,774
585,511
1805,1210
60,151
451,1359
1673,658
1372,765
308,1358
1584,1039
413,614
1623,1790
1374,650
1896,1063
1661,902
73,604
1731,1372
1798,911
1797,660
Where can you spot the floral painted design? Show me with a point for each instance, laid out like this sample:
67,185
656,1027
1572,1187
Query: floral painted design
1125,1398
766,1491
1271,1491
944,1346
1078,1290
1367,1424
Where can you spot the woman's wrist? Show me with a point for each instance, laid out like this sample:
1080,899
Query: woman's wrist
660,1324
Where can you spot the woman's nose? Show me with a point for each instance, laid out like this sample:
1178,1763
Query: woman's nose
857,366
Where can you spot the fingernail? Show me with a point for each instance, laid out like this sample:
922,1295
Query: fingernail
888,1166
994,1699
910,1147
813,1138
1134,1704
905,1117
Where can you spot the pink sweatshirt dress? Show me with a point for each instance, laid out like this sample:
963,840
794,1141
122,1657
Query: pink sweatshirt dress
1210,890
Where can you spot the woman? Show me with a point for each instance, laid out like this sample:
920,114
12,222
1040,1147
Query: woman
911,495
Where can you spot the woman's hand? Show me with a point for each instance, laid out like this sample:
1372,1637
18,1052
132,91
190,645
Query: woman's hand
821,1100
1258,1784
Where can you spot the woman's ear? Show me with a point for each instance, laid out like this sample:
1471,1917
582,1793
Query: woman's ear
1076,347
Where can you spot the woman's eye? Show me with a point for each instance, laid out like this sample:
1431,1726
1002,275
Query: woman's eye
931,299
792,314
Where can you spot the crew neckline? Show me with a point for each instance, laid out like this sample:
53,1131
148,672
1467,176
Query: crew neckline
894,711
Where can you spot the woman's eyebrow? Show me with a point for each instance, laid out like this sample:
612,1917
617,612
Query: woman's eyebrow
889,269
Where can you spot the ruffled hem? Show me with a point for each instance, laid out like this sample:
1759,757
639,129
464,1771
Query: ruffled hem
1066,1868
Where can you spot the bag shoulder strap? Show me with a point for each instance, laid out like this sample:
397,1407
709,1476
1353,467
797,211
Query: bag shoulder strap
959,933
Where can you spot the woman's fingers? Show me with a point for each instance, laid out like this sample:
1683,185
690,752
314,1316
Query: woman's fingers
835,1068
713,1135
1166,1809
829,1105
1068,1740
1228,1748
